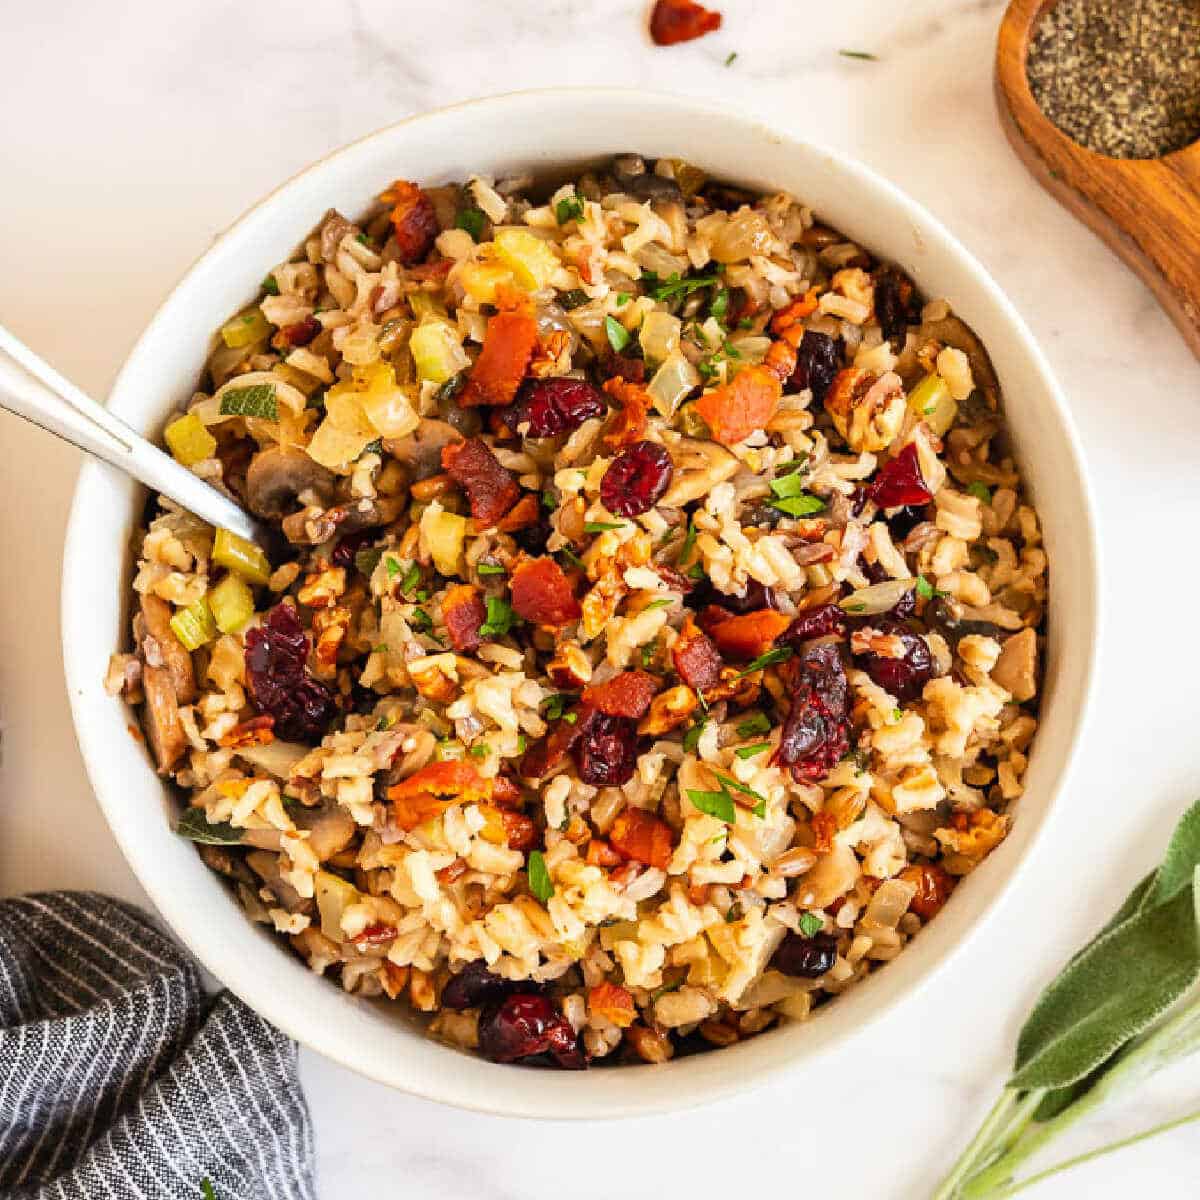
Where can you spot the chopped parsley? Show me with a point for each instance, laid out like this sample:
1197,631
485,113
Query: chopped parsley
410,580
810,924
575,298
555,706
980,491
270,285
661,602
522,743
500,618
676,286
926,590
257,401
571,557
728,781
549,501
623,298
751,751
755,724
470,219
540,883
206,1189
730,57
602,526
569,208
861,54
897,716
362,239
691,739
479,750
489,568
689,543
421,620
799,506
719,307
648,651
777,655
618,335
714,804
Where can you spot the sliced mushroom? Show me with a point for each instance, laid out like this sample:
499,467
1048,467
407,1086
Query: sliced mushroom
421,450
330,829
698,466
278,477
267,867
311,526
1016,668
951,331
160,718
156,616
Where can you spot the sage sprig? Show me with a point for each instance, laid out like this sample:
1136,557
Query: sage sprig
1114,1015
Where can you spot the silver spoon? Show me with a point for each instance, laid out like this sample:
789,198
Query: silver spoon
33,389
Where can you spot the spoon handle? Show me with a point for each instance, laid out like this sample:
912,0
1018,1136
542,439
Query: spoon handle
59,407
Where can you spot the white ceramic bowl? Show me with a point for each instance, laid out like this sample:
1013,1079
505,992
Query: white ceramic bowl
547,130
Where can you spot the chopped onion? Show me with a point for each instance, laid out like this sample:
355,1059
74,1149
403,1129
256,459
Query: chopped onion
672,382
659,336
878,598
889,904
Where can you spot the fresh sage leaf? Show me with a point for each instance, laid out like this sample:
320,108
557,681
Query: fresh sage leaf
196,827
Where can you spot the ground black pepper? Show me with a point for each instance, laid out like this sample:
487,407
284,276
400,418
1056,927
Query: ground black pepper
1120,77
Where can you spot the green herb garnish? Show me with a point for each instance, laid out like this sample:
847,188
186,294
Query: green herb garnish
257,401
623,298
691,739
661,602
196,827
980,491
810,924
602,526
549,501
755,724
554,706
270,285
206,1189
569,208
500,618
489,568
471,219
618,335
412,577
571,557
362,239
714,804
862,54
421,621
720,305
540,883
1107,1021
479,750
926,590
648,651
802,505
776,655
575,298
729,58
676,286
751,751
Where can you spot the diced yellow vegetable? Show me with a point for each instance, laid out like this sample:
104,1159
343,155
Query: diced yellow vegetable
237,554
232,603
188,440
931,401
194,626
424,306
618,931
659,336
445,534
437,351
246,328
372,394
480,280
532,261
302,381
671,383
334,895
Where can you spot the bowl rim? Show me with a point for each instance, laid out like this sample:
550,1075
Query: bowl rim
557,1103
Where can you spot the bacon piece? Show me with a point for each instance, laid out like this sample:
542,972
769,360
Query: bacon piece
601,854
541,593
463,612
696,656
733,412
523,514
491,489
675,21
542,758
635,403
643,837
508,346
433,789
413,219
506,792
625,695
613,1003
750,634
519,830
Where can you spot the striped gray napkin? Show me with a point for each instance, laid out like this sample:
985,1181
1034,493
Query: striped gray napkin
120,1078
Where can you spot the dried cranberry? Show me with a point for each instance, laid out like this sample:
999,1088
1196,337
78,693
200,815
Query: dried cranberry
533,538
302,332
818,360
755,597
525,1025
635,479
475,985
806,957
814,623
905,519
906,676
674,21
276,658
606,750
621,366
815,735
905,606
553,406
344,552
897,302
900,481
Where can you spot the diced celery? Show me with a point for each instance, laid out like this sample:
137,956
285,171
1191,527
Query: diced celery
437,351
194,626
246,328
532,260
188,440
931,401
237,554
659,336
446,533
334,895
671,383
231,603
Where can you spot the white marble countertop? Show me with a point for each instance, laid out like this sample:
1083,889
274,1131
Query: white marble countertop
132,133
